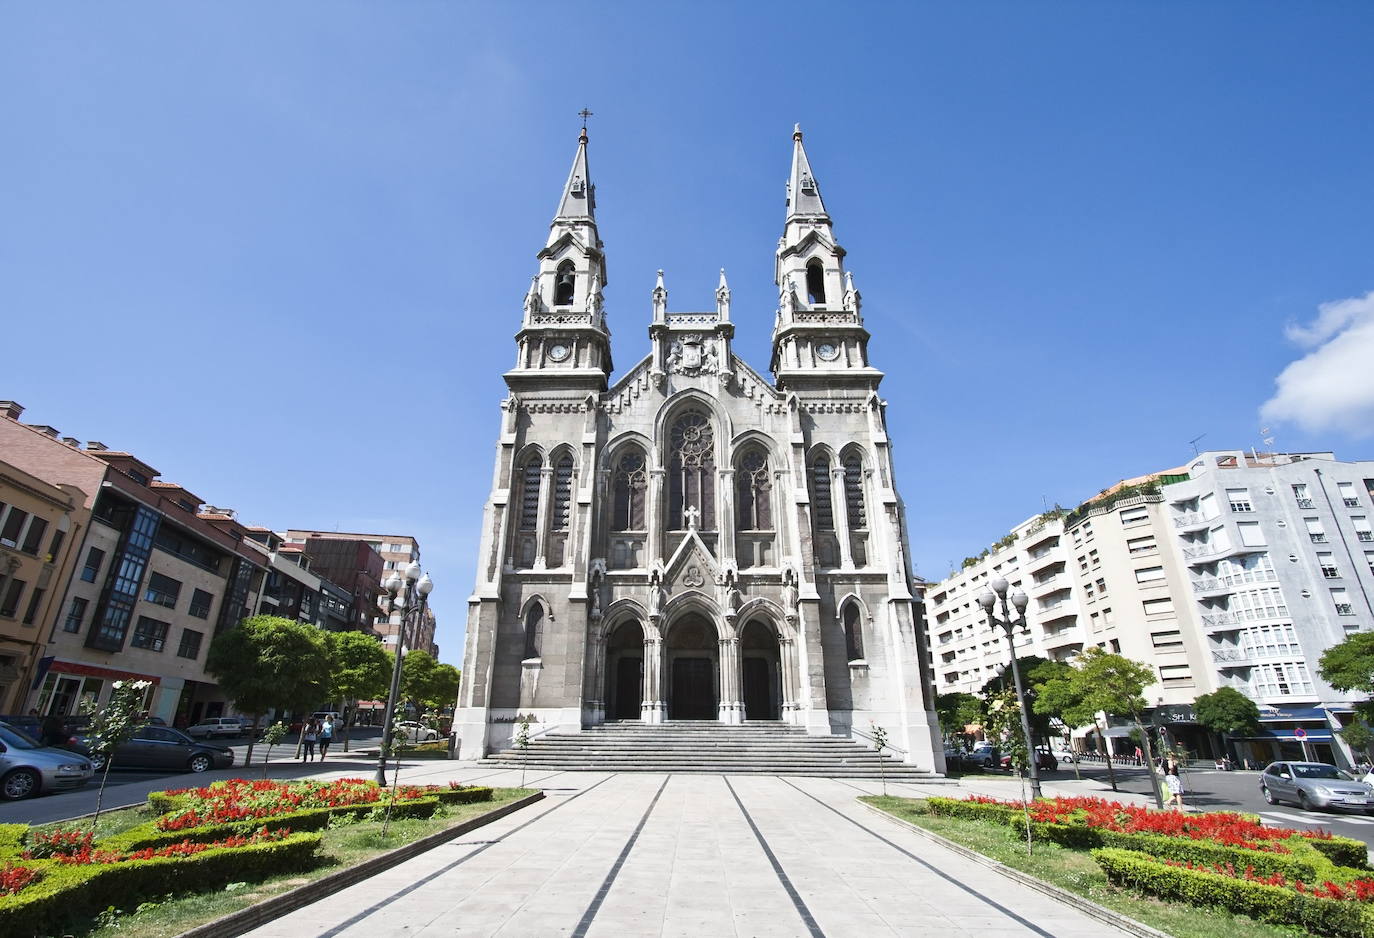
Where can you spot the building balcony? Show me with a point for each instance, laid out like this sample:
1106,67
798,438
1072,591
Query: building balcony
1208,553
1043,558
1071,635
1212,586
1233,657
1305,503
1052,612
1221,621
1190,522
1049,584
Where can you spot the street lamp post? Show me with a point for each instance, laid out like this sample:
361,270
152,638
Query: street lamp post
1020,600
407,591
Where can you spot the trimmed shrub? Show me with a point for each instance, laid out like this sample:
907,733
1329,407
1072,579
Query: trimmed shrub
1266,903
12,839
159,802
972,810
470,795
1343,851
71,893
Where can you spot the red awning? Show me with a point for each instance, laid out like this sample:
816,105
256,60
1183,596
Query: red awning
90,670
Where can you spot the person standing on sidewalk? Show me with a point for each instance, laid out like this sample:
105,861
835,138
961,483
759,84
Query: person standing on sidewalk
1175,786
312,733
326,736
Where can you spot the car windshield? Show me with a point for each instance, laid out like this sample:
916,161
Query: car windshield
17,738
1316,771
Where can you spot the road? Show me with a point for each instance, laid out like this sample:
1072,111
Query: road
1209,790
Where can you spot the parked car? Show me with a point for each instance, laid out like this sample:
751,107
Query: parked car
161,747
1312,785
28,768
417,732
986,756
217,727
1066,755
1044,760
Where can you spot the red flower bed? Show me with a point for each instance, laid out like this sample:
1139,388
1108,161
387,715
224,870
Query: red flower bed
86,854
1219,827
15,878
1356,890
44,844
238,799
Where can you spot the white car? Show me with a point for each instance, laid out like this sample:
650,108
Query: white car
417,732
217,727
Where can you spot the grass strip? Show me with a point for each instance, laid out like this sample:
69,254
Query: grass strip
1076,872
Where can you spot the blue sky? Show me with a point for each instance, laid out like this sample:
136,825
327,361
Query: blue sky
279,250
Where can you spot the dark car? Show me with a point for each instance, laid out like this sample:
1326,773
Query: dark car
1044,761
161,747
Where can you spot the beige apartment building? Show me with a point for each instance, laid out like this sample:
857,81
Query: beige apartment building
41,526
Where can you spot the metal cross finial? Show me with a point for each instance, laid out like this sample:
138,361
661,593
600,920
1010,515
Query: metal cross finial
584,114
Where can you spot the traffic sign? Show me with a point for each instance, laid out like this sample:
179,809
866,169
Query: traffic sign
1300,733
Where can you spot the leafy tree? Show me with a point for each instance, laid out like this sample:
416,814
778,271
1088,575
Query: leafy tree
445,686
271,736
1004,725
114,726
1358,737
1227,710
1349,666
268,662
1116,684
1034,670
1059,694
957,710
359,669
418,676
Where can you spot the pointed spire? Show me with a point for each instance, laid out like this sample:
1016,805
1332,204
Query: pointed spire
579,195
660,299
803,194
723,299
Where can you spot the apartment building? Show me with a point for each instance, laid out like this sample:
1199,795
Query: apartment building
1279,554
152,580
41,526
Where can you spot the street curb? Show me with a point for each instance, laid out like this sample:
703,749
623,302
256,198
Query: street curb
1086,906
236,923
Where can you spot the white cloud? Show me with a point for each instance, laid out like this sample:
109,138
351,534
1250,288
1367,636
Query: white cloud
1332,386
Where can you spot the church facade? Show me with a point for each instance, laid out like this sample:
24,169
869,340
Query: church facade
695,541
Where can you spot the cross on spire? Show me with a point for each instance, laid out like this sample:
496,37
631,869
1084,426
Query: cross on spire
584,114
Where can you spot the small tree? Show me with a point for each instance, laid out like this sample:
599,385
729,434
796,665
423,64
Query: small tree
268,662
1358,736
1349,666
1227,711
522,739
114,726
957,710
880,742
271,736
359,669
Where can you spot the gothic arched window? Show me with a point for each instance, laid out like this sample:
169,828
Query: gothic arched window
529,494
562,493
821,511
563,284
627,492
854,493
815,283
691,472
534,629
752,488
853,632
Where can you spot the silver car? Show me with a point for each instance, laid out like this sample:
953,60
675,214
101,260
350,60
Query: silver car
27,767
1314,785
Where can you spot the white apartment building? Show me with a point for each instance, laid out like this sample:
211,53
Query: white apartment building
1279,555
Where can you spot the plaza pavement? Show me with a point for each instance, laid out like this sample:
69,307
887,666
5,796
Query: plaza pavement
627,855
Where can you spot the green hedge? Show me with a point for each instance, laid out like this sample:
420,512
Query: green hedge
1344,851
972,810
12,838
1266,903
68,894
470,795
310,819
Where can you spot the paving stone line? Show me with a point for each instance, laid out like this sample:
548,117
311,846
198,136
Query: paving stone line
588,916
807,918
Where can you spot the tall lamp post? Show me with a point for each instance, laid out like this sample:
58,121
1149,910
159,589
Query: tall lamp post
1020,600
408,592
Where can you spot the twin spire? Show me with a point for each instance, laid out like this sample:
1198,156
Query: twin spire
579,195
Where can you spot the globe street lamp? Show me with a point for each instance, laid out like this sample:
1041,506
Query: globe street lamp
1020,600
407,592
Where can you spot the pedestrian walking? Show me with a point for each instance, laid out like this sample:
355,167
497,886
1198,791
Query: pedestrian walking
312,733
1138,755
326,736
1175,786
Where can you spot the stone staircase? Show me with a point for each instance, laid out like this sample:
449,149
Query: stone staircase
706,747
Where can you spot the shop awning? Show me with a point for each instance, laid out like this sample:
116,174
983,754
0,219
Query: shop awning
1292,715
1286,735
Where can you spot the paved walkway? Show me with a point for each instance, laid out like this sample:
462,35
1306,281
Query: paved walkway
686,855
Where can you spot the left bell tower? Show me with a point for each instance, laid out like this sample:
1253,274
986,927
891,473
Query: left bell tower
564,341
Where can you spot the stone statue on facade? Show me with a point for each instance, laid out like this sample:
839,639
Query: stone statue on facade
790,594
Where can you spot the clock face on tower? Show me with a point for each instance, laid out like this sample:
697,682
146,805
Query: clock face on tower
827,352
558,351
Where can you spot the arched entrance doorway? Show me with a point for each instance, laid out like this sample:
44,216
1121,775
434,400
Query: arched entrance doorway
625,672
761,672
693,659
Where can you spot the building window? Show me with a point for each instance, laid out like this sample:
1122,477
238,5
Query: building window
529,494
564,284
1362,530
1369,560
1348,496
691,471
13,525
627,495
854,493
149,634
853,633
534,629
34,536
57,538
35,598
815,283
1133,516
1239,499
1158,607
562,493
94,558
162,590
1142,545
1173,674
1300,495
822,509
1168,639
1250,534
190,644
753,486
1328,565
9,604
200,604
1315,530
1341,599
75,615
1149,574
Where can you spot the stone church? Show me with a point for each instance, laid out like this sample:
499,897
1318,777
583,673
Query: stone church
695,541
